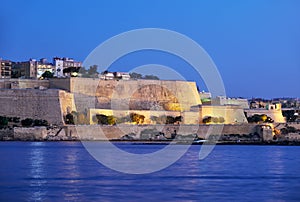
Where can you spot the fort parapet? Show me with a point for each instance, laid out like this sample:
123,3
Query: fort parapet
50,104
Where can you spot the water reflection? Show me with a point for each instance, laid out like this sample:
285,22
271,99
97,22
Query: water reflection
276,171
72,175
37,171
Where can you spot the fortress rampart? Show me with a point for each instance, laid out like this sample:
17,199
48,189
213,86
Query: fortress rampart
131,94
50,104
23,83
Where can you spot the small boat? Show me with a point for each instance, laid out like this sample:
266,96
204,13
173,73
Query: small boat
199,141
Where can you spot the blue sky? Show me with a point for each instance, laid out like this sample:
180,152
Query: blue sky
254,44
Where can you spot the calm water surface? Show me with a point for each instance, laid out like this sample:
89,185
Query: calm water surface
57,171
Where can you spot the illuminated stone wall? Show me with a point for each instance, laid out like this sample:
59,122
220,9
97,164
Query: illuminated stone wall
23,83
132,94
231,114
49,104
275,114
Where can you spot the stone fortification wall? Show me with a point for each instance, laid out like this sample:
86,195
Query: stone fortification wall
36,133
231,114
275,114
23,83
49,104
92,132
132,94
60,83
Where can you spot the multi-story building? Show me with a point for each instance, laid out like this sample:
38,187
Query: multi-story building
43,66
34,69
27,69
63,63
114,76
5,68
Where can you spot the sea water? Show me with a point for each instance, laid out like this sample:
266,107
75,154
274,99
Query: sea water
65,171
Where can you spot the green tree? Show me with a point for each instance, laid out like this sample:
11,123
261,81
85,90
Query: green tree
93,70
170,120
70,119
81,119
221,119
27,122
162,119
150,77
47,74
72,71
178,118
137,118
39,122
135,75
111,120
207,119
16,119
215,119
102,119
3,121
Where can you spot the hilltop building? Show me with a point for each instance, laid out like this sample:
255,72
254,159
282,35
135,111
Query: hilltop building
5,69
114,75
43,66
272,110
60,64
34,69
222,100
31,69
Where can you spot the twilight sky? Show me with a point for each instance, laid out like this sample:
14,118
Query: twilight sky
255,44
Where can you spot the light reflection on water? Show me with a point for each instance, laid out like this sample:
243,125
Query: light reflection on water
56,171
37,171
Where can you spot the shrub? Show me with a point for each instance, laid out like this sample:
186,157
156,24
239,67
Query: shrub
137,118
70,119
3,121
178,118
111,120
16,119
81,119
210,119
207,119
256,118
170,120
106,120
162,119
221,120
39,122
102,119
27,122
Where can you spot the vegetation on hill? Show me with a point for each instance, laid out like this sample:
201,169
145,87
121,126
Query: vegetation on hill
16,122
260,118
135,75
210,119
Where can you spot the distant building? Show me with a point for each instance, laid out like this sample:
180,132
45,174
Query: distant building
43,66
122,75
272,110
205,98
5,69
31,69
62,63
114,76
222,100
27,69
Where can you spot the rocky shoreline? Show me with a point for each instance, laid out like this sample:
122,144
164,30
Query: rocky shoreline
246,134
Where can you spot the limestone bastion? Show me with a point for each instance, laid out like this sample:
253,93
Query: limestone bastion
54,103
